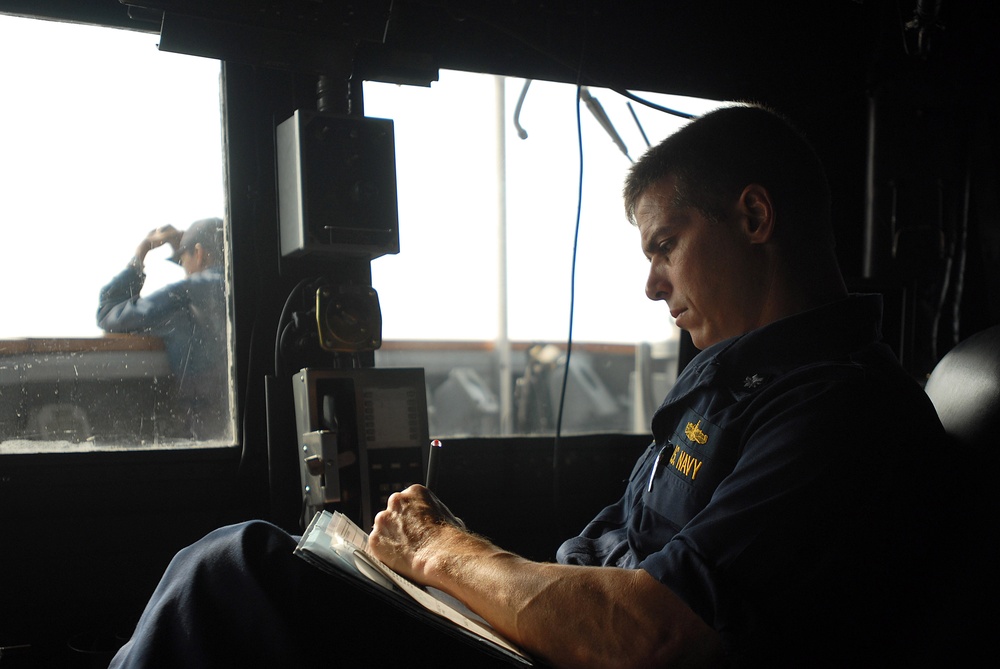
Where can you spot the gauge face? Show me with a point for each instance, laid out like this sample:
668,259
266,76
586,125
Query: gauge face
349,318
347,321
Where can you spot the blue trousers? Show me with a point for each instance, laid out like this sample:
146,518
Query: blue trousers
240,598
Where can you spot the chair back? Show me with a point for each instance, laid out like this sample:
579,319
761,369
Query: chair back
965,389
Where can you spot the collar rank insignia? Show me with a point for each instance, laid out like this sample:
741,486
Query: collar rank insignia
752,382
693,432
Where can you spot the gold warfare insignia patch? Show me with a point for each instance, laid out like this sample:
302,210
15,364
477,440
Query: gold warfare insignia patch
693,432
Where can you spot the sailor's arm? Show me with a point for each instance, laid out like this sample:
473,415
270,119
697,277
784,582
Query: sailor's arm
571,616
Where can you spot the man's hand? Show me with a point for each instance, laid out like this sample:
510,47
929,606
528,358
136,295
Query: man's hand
166,234
403,532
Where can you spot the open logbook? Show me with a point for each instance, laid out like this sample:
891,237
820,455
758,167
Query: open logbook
335,544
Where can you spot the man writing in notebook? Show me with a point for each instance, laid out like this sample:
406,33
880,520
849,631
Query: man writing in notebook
781,515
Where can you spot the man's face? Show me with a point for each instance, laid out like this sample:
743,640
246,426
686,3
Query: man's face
706,271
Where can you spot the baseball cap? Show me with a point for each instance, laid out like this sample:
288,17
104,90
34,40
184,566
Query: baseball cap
207,232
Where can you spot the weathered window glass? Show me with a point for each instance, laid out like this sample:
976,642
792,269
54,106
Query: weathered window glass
115,326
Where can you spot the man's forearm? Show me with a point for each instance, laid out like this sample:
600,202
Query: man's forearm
570,616
574,616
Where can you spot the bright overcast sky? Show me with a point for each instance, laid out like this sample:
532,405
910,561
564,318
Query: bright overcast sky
446,145
105,138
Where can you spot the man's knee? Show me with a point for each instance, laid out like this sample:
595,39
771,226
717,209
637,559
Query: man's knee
239,549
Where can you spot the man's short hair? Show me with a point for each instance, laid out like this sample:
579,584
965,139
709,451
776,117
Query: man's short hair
714,157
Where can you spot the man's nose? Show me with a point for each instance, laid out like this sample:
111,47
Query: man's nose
657,285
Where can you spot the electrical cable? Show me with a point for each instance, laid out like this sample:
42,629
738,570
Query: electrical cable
635,118
556,445
577,69
281,329
594,105
521,132
956,321
945,279
580,91
652,105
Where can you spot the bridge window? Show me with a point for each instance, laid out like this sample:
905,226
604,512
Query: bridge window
105,139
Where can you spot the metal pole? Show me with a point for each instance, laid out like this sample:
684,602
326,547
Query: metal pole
503,342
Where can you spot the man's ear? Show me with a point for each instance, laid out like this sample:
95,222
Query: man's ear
200,256
758,211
